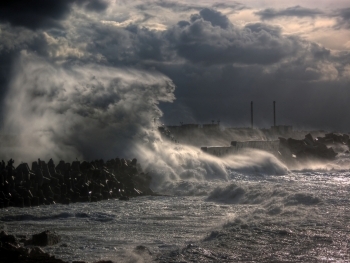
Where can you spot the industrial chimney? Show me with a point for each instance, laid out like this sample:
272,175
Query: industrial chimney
251,114
274,113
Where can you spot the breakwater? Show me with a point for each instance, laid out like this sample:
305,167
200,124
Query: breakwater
269,146
47,183
291,151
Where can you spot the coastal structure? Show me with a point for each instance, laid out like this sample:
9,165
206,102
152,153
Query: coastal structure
47,183
236,147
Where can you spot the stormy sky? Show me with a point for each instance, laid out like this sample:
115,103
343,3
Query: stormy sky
218,56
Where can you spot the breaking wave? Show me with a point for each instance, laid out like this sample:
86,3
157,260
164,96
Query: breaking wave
86,112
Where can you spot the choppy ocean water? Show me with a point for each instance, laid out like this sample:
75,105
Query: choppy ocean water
299,216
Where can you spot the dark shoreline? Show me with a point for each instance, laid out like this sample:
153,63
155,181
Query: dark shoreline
19,249
65,183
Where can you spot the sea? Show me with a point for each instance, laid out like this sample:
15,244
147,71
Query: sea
242,208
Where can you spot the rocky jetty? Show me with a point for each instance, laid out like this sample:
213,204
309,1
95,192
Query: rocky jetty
65,183
310,148
13,250
334,138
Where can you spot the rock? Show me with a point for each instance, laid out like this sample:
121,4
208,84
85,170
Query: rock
336,138
46,238
36,251
308,148
3,228
4,237
142,250
309,139
283,140
8,253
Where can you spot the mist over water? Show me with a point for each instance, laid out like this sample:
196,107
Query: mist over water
81,111
73,111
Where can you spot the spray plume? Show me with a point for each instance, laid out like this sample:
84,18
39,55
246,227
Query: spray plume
88,111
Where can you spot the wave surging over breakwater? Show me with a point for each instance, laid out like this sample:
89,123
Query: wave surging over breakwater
86,112
171,164
75,111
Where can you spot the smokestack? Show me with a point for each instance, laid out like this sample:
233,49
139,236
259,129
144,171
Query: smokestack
274,113
251,114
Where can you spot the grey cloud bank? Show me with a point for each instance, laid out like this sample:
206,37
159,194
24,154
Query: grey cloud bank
296,11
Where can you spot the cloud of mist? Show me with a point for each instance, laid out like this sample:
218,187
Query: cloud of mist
91,111
171,165
85,111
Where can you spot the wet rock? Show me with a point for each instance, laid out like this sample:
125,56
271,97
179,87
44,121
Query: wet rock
68,183
46,238
142,250
36,251
124,198
3,228
10,253
307,148
284,232
194,253
309,139
4,237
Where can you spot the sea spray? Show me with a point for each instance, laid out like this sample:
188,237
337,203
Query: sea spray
86,111
170,165
72,111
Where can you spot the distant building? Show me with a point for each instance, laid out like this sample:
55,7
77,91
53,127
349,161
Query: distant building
183,127
281,129
193,127
211,127
269,146
189,126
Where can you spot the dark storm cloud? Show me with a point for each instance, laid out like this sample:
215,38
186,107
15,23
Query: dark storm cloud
128,46
174,6
212,39
296,11
181,7
224,92
234,6
343,18
215,18
208,38
36,14
95,5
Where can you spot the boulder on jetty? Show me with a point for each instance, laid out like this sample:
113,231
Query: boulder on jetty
308,148
5,238
334,138
12,251
46,238
65,183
